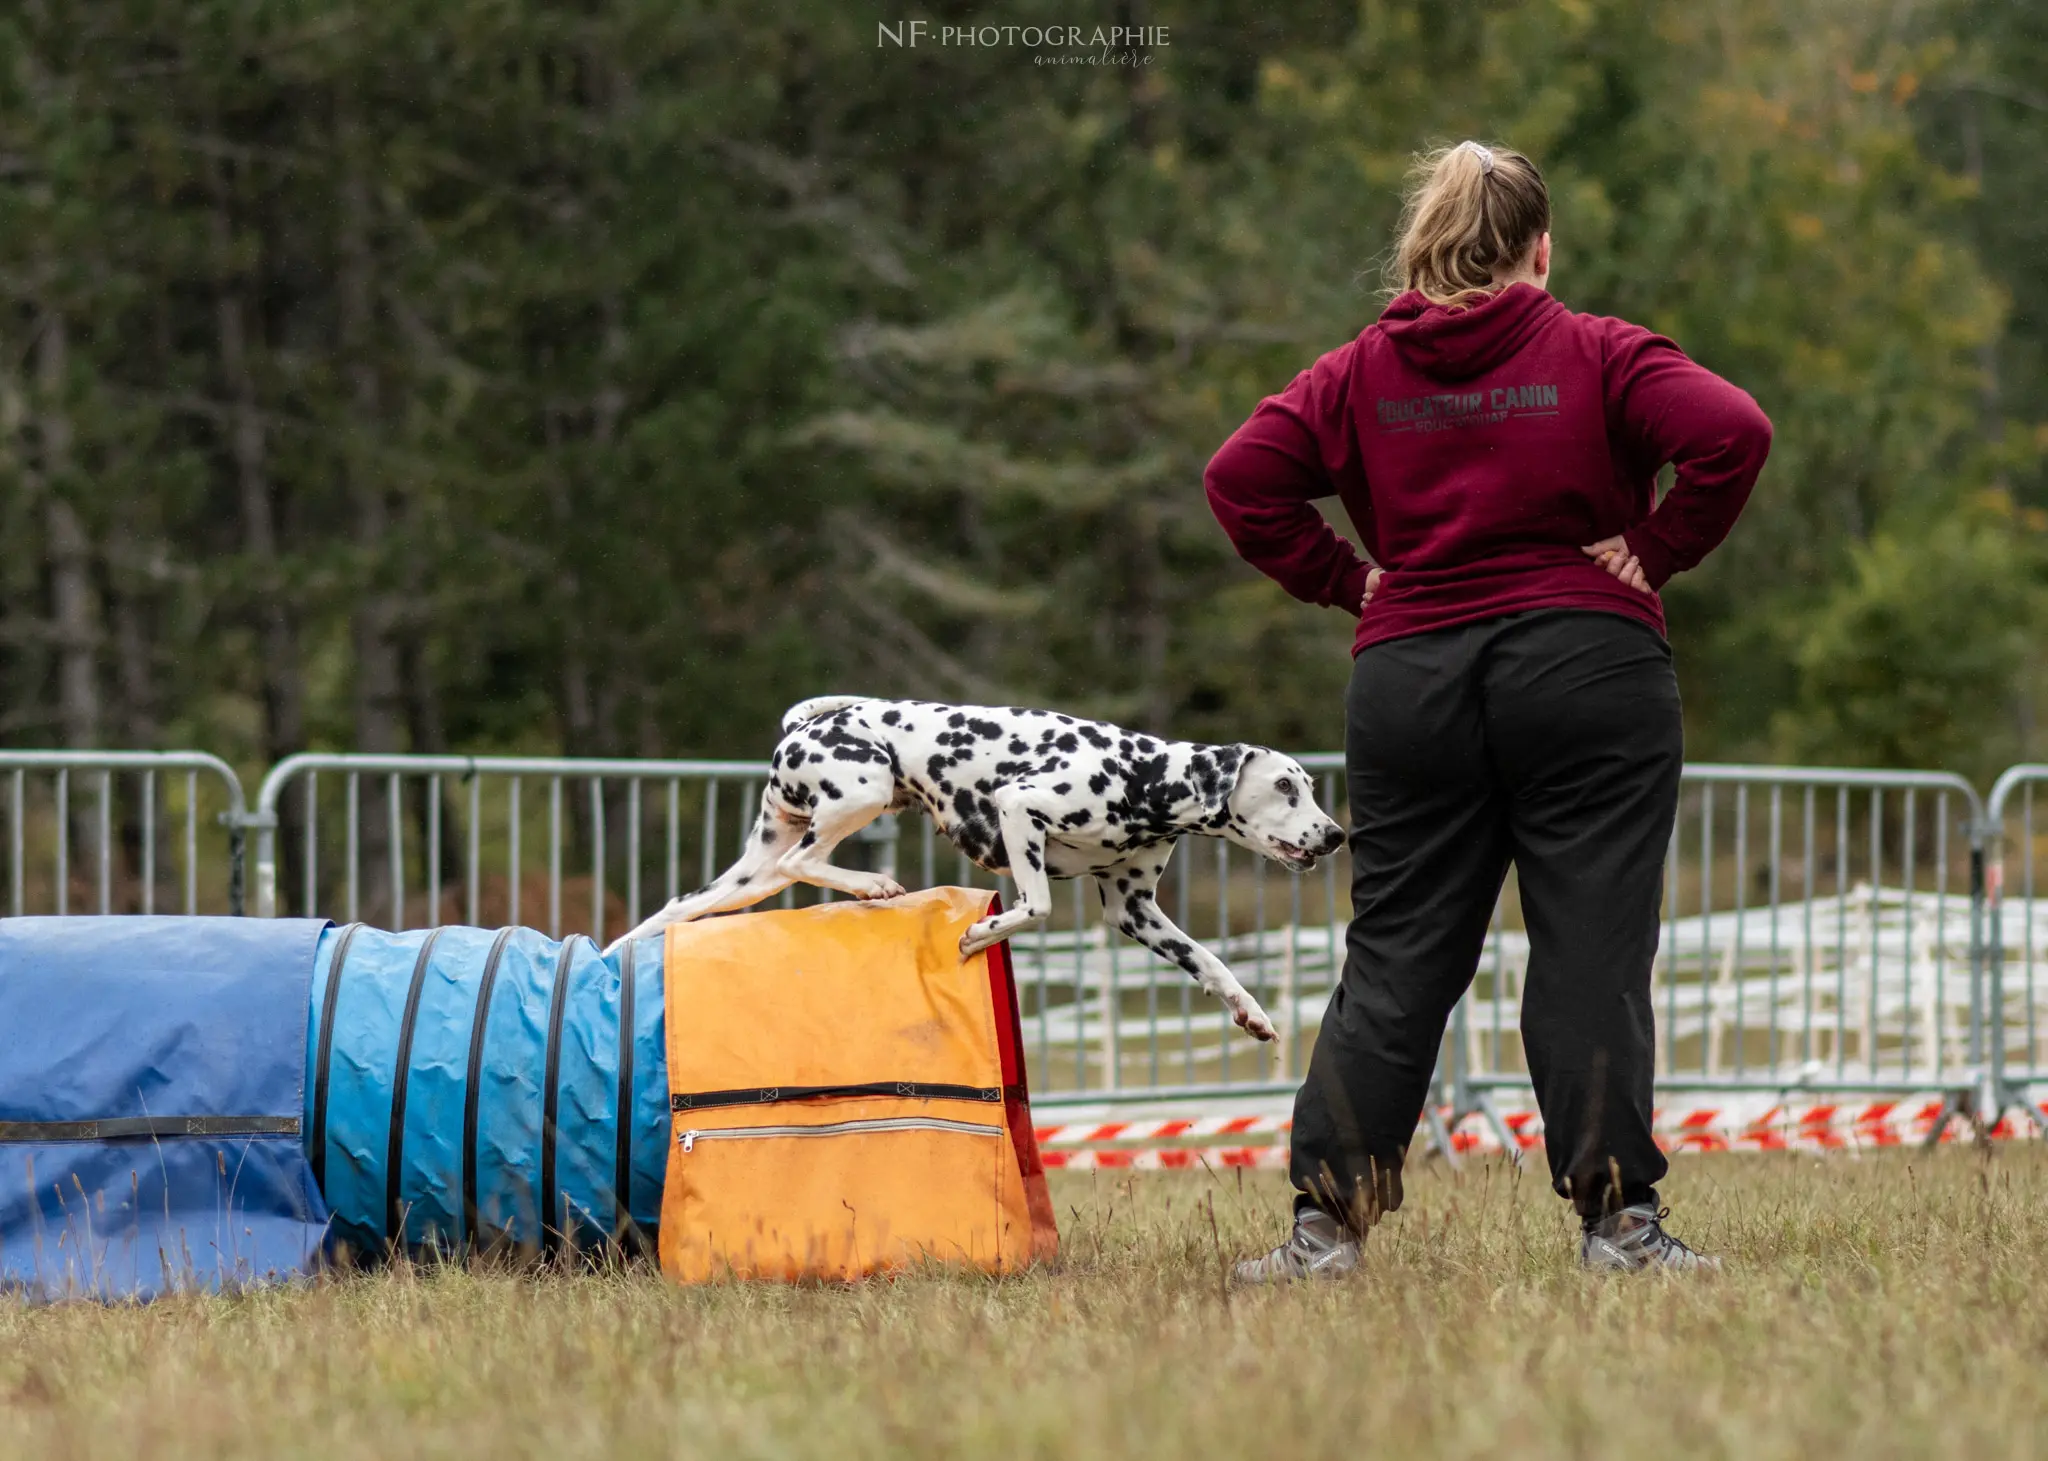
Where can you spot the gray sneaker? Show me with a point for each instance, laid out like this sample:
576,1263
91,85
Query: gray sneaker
1633,1240
1320,1247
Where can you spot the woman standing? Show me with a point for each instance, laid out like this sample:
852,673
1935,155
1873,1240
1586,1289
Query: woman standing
1512,697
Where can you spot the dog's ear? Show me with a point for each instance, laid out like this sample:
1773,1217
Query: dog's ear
1216,771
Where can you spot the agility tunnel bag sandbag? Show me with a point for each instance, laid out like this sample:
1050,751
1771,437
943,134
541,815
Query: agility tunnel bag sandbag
848,1096
151,1089
471,1088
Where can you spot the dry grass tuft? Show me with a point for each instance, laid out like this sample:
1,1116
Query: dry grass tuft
1886,1306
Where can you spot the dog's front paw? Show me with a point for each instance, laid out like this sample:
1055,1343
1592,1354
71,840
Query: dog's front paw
981,936
1251,1019
881,888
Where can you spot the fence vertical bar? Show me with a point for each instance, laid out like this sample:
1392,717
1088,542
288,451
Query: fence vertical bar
1709,1004
707,846
1672,860
105,827
149,842
1777,886
1497,926
1876,929
674,840
475,875
191,843
2027,857
633,852
1940,933
554,857
63,842
927,852
1187,1014
309,858
1112,1000
433,850
1045,998
512,852
1912,800
1080,991
1738,948
597,861
1841,932
17,843
1265,1056
1223,943
1806,869
355,817
394,820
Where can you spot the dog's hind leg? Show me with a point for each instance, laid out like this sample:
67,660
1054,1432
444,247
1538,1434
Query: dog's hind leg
754,877
1024,842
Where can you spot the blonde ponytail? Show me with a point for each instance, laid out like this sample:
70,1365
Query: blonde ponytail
1471,210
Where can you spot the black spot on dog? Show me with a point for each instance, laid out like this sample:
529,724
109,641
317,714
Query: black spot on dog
809,839
831,791
1099,783
890,717
935,767
767,836
1062,788
1018,745
987,730
1095,738
957,719
1068,743
796,757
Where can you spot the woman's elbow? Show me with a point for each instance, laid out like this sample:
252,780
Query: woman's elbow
1754,436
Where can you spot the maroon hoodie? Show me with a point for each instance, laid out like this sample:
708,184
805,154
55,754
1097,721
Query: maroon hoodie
1477,450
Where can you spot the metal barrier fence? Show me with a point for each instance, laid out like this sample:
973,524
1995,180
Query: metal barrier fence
120,807
1823,930
2018,926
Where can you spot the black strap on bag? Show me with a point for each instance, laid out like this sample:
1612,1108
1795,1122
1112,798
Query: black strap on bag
777,1095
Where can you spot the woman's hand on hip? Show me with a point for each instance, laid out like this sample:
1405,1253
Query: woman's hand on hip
1372,586
1613,555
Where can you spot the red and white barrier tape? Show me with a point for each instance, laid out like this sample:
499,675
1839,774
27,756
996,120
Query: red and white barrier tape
1740,1124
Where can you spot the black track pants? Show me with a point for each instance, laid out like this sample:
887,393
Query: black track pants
1550,740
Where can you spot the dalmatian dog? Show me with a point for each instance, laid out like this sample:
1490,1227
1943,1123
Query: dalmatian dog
1031,793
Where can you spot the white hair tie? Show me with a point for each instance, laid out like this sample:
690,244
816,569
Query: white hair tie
1483,153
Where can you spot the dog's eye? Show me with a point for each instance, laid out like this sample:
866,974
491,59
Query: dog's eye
1284,786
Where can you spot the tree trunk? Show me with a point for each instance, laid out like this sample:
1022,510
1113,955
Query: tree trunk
379,702
74,598
277,640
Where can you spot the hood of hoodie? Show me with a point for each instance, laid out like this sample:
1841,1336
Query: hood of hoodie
1458,344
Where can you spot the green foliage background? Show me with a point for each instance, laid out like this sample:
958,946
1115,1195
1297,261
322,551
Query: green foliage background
604,376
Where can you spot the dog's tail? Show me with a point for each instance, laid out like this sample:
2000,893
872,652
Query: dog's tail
816,706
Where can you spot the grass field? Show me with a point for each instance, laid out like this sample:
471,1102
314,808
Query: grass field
1891,1305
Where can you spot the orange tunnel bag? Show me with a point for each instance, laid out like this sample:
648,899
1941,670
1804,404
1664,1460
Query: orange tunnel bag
848,1096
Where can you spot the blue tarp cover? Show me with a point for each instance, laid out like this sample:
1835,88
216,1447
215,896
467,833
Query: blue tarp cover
119,1038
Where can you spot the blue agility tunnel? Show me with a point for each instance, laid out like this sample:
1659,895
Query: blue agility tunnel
209,1102
472,1088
